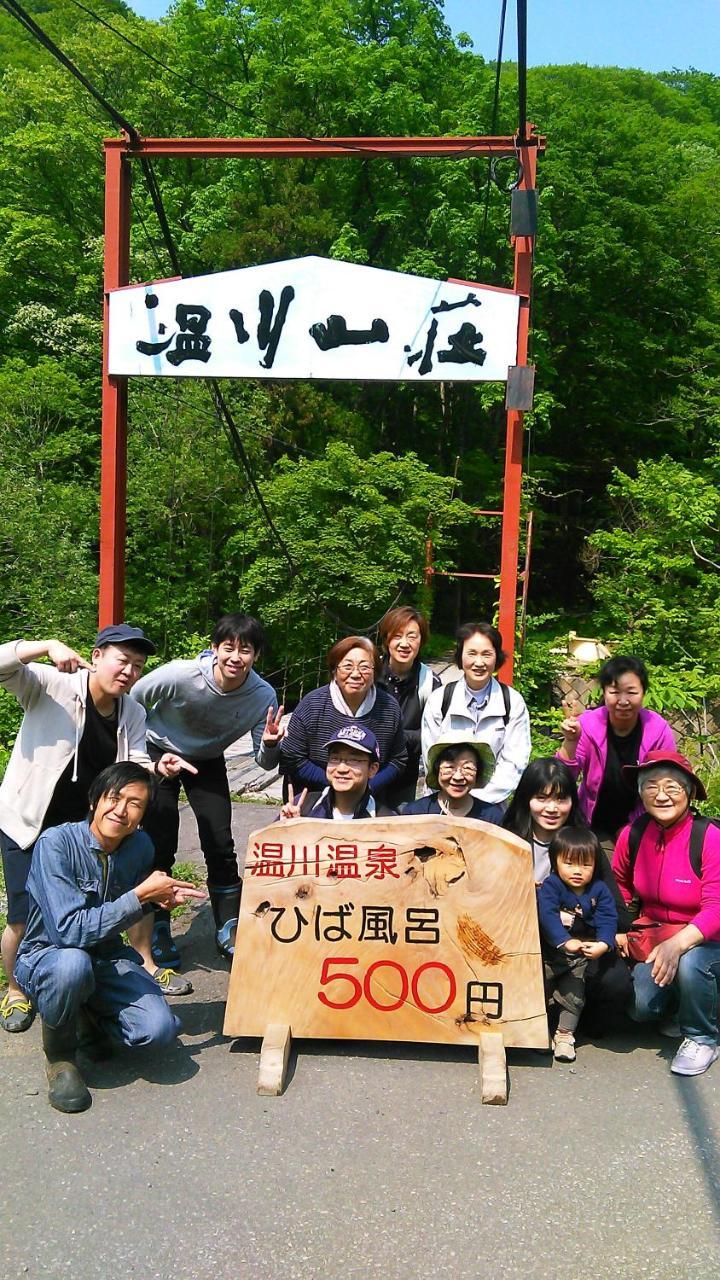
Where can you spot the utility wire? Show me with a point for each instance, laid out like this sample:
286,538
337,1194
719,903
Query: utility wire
191,84
495,112
23,17
522,68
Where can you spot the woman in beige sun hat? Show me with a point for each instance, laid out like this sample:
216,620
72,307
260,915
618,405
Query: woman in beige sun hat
457,765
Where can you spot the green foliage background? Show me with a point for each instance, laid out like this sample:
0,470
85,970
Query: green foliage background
622,446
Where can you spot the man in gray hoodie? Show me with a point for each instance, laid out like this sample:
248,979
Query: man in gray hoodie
202,705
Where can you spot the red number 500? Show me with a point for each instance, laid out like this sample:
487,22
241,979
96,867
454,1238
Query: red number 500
407,985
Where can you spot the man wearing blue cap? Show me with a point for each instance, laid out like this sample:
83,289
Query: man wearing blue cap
77,722
353,759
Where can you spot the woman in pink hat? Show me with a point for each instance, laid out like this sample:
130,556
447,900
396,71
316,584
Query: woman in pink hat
667,863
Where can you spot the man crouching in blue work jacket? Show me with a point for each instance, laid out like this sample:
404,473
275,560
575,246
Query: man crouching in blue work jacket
88,882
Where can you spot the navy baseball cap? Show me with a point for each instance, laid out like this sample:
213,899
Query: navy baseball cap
354,735
121,633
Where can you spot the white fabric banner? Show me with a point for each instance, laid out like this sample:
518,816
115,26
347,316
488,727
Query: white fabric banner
314,318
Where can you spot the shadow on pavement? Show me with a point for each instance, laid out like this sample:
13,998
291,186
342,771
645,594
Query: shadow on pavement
171,1066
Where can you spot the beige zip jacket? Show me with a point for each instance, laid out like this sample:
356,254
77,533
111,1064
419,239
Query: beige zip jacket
49,736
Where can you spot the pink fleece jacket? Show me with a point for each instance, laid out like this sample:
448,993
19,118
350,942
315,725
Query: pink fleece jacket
591,753
664,881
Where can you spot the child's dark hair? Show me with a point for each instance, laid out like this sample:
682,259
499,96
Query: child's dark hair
241,628
575,844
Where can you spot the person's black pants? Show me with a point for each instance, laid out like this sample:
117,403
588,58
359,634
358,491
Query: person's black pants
208,794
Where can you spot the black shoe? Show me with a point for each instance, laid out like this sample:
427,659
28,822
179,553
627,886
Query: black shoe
164,951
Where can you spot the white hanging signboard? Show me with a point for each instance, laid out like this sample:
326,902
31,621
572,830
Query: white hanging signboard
314,318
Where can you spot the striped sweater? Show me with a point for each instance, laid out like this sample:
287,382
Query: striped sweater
315,719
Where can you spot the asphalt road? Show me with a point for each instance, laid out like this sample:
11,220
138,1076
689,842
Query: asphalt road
376,1162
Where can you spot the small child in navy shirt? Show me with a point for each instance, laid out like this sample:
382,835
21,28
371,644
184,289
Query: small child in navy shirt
578,924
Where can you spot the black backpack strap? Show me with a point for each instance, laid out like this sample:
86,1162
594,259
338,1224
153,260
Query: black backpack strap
448,692
449,689
637,831
697,840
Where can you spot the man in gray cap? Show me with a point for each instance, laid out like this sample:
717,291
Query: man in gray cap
77,722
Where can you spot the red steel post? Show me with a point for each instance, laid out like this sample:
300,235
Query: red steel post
512,490
113,464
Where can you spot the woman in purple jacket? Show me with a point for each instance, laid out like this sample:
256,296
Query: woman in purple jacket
621,731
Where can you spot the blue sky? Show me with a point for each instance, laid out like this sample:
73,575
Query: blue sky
655,35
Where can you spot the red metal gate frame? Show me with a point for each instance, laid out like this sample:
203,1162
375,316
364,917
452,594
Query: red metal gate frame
119,152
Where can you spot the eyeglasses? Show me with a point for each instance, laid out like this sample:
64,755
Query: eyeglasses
349,668
355,765
672,790
467,770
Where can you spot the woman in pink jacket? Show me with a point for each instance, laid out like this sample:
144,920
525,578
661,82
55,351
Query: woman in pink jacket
600,742
675,878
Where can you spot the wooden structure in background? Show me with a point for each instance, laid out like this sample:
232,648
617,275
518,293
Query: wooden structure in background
412,929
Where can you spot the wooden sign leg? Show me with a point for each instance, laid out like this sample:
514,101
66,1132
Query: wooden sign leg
274,1056
493,1068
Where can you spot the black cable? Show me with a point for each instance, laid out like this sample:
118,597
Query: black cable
16,11
522,68
191,84
495,111
150,242
153,188
467,152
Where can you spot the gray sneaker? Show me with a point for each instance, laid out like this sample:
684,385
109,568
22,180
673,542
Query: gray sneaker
171,984
692,1058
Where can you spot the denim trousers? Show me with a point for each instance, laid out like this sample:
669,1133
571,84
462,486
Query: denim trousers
121,997
692,995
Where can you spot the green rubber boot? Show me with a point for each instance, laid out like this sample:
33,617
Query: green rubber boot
68,1091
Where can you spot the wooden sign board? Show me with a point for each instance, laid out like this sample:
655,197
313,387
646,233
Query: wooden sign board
314,318
410,929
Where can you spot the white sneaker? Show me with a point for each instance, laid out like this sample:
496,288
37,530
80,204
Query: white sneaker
564,1046
692,1058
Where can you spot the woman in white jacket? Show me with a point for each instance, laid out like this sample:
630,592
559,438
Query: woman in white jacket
480,705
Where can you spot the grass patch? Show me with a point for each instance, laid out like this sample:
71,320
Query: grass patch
195,875
252,797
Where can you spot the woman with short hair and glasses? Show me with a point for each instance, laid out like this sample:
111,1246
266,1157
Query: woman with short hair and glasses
458,764
667,865
351,695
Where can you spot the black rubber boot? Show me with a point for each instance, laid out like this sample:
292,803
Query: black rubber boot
225,905
68,1091
91,1039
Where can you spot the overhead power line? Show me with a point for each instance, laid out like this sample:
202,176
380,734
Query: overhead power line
23,17
522,68
178,75
20,14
